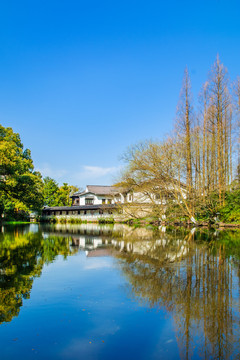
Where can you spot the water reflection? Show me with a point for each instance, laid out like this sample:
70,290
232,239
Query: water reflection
194,275
22,256
197,281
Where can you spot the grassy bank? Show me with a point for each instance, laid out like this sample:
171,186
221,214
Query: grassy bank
15,222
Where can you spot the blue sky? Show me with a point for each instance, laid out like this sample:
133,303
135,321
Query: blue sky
82,80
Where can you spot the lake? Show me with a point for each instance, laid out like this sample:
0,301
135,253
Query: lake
118,292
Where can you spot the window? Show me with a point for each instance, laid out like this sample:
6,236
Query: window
85,212
78,212
77,201
88,201
157,196
103,201
130,197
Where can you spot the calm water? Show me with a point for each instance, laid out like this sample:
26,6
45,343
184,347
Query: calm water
90,292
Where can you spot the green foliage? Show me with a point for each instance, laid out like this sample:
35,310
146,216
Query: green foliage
62,220
211,211
109,220
15,210
20,185
55,195
230,212
50,192
74,220
64,193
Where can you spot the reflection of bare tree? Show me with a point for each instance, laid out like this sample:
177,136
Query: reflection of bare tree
194,281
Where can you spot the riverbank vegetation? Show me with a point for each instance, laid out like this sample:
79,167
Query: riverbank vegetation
194,173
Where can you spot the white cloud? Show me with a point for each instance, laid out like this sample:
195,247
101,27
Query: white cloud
47,170
97,264
97,171
87,173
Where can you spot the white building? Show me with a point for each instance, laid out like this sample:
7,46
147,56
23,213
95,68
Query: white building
100,195
102,201
94,202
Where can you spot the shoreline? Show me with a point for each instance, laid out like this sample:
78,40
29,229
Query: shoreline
131,222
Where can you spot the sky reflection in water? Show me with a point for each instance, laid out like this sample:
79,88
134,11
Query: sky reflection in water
89,292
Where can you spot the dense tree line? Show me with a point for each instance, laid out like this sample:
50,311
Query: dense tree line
196,168
22,189
55,195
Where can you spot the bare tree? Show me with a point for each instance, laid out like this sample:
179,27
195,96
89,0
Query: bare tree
220,111
184,128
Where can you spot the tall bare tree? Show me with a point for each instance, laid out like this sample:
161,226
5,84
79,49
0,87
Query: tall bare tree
220,118
184,128
236,88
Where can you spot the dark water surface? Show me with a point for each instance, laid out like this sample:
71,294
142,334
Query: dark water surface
91,292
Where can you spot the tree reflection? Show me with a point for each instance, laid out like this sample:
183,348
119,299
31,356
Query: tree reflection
22,256
196,281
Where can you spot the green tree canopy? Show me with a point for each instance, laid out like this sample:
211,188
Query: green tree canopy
55,195
19,183
50,191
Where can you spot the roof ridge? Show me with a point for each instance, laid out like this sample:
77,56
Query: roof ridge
100,185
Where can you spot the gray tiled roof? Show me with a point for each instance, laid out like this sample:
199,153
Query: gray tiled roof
102,190
98,190
81,207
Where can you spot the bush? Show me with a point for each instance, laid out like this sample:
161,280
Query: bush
109,220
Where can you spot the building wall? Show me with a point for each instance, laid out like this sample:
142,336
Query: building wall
97,199
81,213
145,199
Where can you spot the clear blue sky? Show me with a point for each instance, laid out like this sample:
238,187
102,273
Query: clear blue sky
82,80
